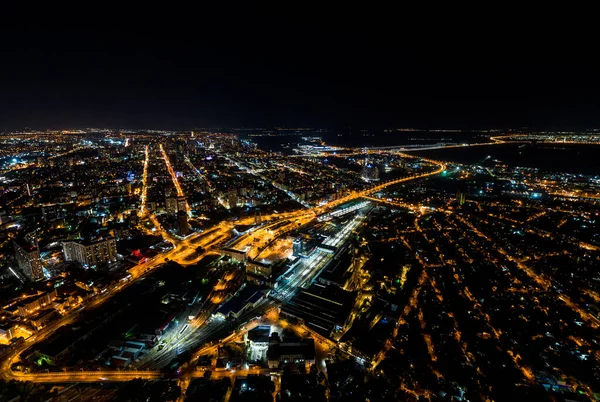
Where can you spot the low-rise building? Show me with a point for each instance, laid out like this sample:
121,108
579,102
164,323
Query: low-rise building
7,331
246,299
259,336
324,309
336,273
297,353
259,268
119,361
59,346
236,255
43,318
32,305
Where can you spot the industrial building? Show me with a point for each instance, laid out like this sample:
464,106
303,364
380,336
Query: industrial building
324,309
246,299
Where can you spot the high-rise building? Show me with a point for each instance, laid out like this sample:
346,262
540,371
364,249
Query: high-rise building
232,198
461,197
91,254
171,205
181,204
182,223
299,246
29,261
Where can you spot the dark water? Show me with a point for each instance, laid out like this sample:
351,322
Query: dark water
567,158
284,143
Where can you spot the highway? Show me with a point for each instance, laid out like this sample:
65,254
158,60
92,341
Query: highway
303,216
358,194
89,376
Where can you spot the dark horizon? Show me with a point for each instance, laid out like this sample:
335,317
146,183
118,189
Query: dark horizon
350,130
256,70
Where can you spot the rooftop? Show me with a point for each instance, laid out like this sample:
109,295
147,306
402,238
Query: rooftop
321,307
260,333
304,348
249,295
28,247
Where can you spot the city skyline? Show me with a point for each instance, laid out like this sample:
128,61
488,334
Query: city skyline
264,205
265,264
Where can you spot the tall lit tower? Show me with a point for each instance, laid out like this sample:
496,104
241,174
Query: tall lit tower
181,204
182,223
29,261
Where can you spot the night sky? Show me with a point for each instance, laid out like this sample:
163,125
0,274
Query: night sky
244,68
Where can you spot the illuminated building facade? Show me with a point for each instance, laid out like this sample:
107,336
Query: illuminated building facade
29,261
181,204
91,254
171,205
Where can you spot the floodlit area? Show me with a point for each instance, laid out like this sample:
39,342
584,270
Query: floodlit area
280,249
